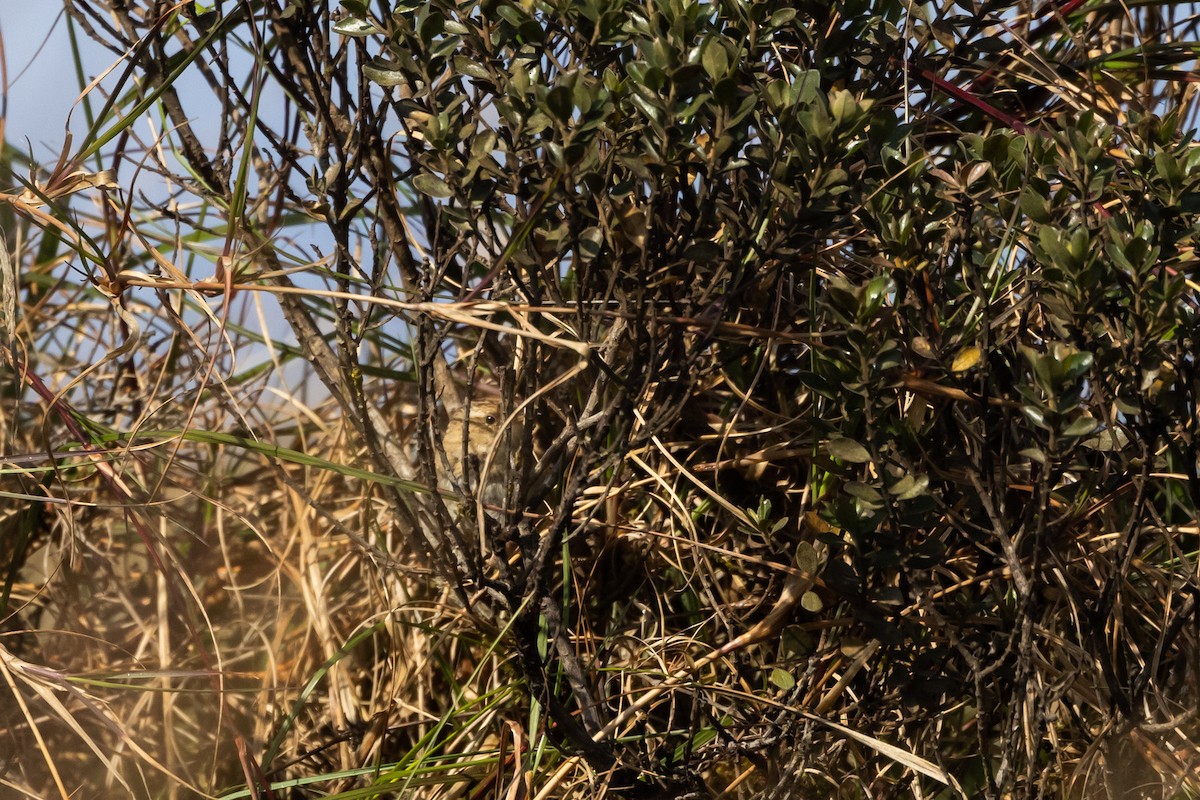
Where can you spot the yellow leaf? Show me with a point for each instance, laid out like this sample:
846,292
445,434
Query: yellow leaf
967,358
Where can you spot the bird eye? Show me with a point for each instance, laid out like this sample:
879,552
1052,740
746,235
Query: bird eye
490,419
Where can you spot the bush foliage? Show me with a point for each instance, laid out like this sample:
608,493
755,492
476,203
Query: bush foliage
843,353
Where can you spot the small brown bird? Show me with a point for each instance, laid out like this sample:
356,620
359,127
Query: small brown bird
479,428
480,425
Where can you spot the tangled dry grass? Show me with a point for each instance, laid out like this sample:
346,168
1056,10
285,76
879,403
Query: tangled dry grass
843,432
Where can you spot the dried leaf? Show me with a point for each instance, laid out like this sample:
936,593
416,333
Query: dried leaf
922,347
9,278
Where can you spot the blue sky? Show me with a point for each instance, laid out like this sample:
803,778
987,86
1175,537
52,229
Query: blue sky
43,87
41,72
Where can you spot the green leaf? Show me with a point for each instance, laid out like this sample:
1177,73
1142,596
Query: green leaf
715,60
1035,206
432,185
909,486
591,242
1108,440
843,106
1077,364
807,86
1035,415
356,27
561,102
1080,427
782,17
778,95
783,679
848,450
806,558
384,72
471,68
864,492
877,290
920,487
1033,454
